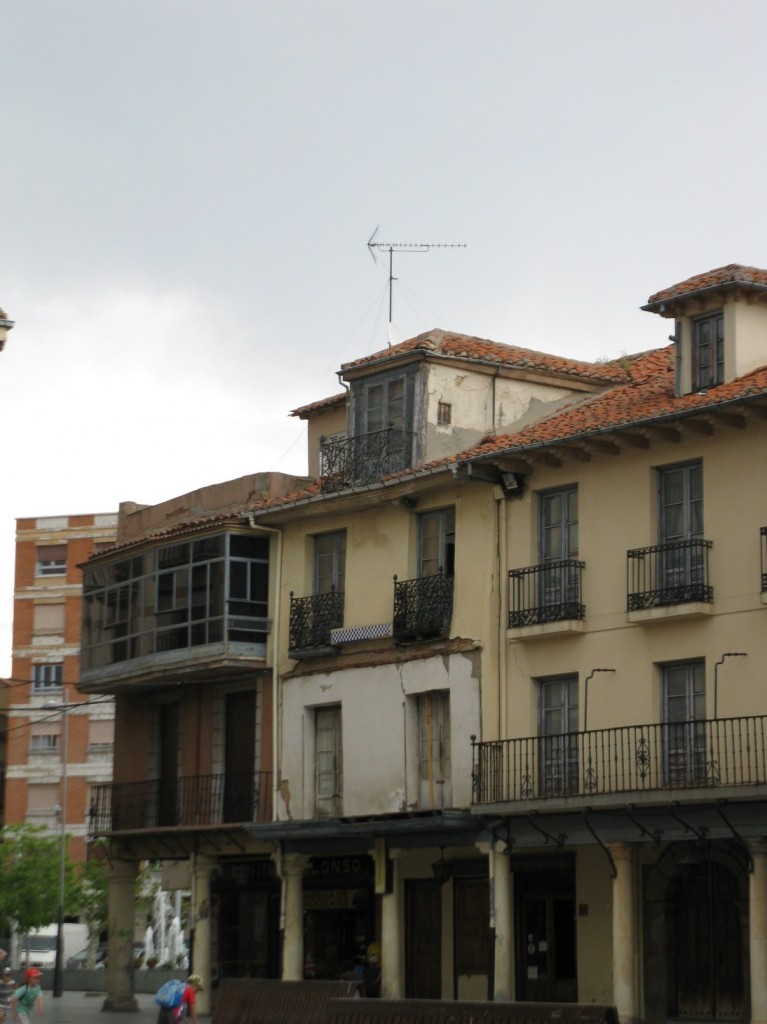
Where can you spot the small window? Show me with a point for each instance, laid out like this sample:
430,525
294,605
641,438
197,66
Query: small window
51,560
47,677
434,771
708,351
444,414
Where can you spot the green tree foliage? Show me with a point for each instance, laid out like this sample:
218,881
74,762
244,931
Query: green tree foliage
30,859
93,902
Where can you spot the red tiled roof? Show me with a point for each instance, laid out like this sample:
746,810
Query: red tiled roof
733,274
462,346
648,397
324,403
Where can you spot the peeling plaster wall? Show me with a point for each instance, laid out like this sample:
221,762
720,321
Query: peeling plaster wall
473,416
380,753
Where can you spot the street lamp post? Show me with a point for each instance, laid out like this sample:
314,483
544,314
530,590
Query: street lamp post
58,970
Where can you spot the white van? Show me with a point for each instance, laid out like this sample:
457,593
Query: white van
38,949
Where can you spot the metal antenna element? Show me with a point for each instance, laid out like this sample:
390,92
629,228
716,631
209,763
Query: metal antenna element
392,247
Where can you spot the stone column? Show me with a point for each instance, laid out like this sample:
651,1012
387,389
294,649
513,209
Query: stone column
292,871
392,938
122,921
500,875
624,933
757,931
202,868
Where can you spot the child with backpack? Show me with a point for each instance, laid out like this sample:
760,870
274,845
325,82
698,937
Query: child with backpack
177,998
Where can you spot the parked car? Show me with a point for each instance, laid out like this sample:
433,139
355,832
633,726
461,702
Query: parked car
79,962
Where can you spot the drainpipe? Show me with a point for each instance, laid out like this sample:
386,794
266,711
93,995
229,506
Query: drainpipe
276,688
503,616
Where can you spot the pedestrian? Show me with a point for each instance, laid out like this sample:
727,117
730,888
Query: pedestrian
187,1006
28,998
7,988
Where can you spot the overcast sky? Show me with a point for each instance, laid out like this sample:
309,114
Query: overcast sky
187,189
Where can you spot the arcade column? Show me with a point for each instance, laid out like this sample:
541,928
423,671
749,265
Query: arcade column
122,921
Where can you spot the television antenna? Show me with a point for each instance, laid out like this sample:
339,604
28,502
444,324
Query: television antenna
392,247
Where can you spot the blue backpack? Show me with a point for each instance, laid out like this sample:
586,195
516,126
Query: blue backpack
170,994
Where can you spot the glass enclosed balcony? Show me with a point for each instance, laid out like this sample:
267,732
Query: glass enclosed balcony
182,602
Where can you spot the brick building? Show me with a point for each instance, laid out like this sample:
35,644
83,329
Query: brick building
49,721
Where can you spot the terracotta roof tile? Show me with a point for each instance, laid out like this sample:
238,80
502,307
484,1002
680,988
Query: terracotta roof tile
732,275
463,346
324,403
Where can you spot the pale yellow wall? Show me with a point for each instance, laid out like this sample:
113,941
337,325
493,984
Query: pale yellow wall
324,423
750,338
618,511
593,910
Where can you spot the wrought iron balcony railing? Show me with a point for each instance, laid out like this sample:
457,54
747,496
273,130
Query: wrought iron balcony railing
549,592
668,574
763,536
362,460
628,759
190,800
422,607
312,618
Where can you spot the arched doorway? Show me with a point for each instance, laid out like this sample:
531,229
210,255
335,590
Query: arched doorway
696,939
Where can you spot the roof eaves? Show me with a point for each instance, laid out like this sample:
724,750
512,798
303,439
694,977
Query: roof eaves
584,435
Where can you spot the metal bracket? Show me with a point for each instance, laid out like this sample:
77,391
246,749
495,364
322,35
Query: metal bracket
557,840
737,837
655,836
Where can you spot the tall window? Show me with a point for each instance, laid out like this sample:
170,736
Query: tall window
559,734
51,560
385,405
47,677
434,750
681,502
328,779
682,566
436,542
708,351
558,540
329,562
684,723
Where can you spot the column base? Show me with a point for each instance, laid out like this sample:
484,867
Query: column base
127,1005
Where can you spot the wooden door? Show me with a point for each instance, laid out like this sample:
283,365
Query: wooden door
423,940
704,942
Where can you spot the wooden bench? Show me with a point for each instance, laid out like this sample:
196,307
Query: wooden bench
270,1001
437,1011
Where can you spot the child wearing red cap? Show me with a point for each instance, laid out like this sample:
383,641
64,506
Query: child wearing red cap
28,998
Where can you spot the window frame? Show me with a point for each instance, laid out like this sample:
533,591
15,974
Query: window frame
708,351
336,553
328,805
40,673
445,536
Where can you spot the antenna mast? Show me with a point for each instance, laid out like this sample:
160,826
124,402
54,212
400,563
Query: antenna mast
392,247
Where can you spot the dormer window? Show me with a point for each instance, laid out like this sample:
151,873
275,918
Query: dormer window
708,351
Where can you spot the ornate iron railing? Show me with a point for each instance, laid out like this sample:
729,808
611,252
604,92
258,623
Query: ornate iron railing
763,535
549,592
190,800
422,607
312,618
362,460
668,574
628,759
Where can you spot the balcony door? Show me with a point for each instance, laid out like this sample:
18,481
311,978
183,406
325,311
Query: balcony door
558,713
240,756
558,537
680,521
435,790
168,760
684,723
